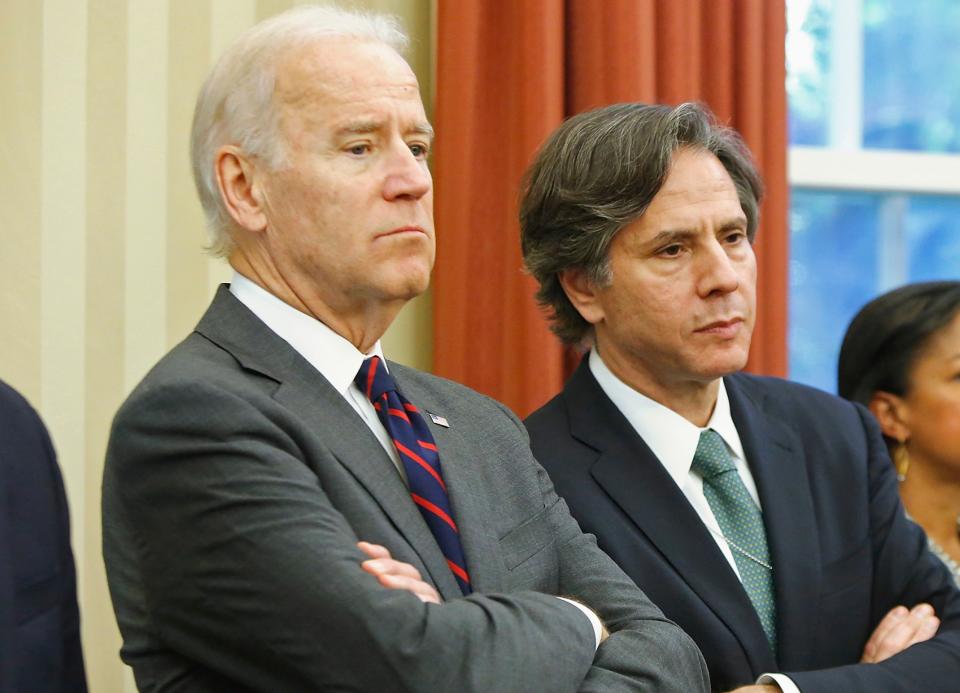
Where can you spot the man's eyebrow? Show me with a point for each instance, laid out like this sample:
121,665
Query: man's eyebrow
738,222
675,235
423,128
672,236
359,127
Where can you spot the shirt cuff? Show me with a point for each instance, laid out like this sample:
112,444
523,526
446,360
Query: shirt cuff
597,626
785,682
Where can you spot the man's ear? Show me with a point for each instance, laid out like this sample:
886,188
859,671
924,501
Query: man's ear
240,188
892,413
583,293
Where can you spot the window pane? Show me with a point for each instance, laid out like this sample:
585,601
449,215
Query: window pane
847,248
933,237
808,70
911,86
833,270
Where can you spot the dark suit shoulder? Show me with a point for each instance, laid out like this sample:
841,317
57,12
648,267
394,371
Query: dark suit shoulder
796,404
25,448
547,417
20,419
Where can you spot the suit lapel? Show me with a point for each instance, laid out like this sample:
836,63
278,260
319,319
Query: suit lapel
462,476
638,483
306,392
775,456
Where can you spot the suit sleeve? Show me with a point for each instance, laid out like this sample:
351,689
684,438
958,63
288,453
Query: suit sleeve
73,672
250,570
645,650
905,572
44,651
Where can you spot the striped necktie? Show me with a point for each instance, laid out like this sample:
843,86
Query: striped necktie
742,526
421,461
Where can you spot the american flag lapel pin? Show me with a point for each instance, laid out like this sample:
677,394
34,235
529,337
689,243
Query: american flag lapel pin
439,420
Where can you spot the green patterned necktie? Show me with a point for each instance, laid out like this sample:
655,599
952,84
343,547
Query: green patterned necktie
742,525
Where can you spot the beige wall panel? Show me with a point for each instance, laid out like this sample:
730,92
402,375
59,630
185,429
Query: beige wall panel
186,262
20,226
409,339
105,240
145,292
268,8
62,245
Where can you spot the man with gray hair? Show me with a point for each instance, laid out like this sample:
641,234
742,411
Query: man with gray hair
762,516
283,510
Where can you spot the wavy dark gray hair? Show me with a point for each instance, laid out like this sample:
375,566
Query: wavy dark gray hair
596,174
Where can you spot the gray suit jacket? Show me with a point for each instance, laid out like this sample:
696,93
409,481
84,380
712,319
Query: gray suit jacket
237,484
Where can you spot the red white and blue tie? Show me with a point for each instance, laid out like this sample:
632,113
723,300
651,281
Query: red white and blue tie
418,452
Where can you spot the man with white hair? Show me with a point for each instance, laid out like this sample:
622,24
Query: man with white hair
285,511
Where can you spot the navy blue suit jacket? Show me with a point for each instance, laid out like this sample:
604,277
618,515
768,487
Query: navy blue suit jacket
39,623
843,551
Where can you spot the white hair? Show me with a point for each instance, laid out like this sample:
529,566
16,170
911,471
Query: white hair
235,105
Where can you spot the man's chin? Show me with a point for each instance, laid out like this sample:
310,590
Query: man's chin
724,365
408,287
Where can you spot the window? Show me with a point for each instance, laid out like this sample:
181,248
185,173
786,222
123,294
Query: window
874,119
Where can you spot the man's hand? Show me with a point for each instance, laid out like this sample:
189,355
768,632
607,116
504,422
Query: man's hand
395,574
898,630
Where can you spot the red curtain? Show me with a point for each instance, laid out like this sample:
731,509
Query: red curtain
507,74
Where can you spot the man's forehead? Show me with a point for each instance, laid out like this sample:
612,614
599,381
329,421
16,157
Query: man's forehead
341,64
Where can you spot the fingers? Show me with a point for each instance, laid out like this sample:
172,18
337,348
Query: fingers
900,629
388,566
929,628
892,618
419,588
373,550
395,574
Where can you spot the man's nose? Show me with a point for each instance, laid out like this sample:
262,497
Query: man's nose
718,273
407,176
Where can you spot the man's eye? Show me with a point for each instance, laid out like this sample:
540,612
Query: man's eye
671,250
735,237
359,149
419,150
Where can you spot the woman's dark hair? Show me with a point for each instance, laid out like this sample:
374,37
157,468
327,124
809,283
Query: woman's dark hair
884,339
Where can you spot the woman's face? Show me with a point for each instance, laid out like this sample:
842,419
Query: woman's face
931,408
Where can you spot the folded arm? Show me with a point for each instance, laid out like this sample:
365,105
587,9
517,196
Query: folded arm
644,650
250,570
905,574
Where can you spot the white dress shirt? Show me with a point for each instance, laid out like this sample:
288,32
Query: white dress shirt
338,361
673,440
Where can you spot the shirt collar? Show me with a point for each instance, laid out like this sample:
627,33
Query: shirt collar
671,438
336,358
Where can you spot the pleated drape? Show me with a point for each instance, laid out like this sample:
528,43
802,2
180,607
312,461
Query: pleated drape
507,74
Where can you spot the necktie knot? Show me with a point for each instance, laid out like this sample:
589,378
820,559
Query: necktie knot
373,379
711,458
